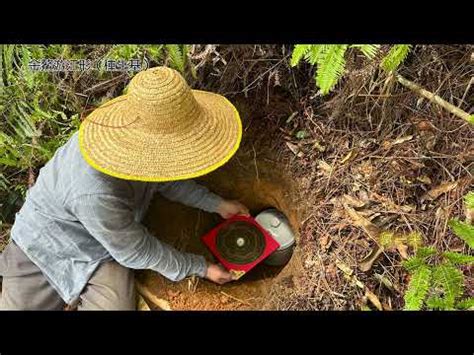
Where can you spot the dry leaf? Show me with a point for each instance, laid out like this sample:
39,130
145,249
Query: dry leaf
366,263
437,191
348,274
349,156
353,201
344,268
403,250
324,241
424,179
402,140
373,299
371,229
385,281
295,149
325,167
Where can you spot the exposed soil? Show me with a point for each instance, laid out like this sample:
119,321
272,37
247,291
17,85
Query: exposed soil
257,179
182,227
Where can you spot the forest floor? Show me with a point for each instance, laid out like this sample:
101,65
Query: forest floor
371,157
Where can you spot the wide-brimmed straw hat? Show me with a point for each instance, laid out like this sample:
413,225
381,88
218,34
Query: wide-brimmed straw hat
160,130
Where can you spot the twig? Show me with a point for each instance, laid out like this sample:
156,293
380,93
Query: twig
236,299
435,99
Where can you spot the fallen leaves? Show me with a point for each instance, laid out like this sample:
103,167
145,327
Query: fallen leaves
373,299
385,240
295,149
389,144
366,263
349,156
440,189
349,275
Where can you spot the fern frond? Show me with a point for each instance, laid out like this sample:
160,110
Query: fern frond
437,303
396,55
458,258
413,263
425,252
315,52
450,280
417,288
176,56
463,230
414,239
299,52
469,200
467,304
369,50
331,64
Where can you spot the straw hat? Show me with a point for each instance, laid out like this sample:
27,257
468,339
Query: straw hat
161,130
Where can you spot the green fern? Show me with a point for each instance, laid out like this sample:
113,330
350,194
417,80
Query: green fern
299,52
425,252
177,56
458,258
463,230
469,200
331,64
438,303
395,57
413,263
315,54
417,288
467,303
369,50
450,280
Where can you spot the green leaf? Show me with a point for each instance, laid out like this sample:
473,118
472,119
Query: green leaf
437,303
331,64
369,50
301,134
177,56
299,52
395,57
467,303
458,258
463,230
425,252
450,280
413,263
417,288
314,54
469,200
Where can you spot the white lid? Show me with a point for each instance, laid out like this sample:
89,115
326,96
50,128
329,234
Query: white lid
276,223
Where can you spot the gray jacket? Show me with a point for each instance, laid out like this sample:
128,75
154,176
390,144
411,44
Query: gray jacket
75,218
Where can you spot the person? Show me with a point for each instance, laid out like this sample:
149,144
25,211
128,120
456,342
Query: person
78,236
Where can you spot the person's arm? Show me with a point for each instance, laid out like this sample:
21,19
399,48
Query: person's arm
190,193
110,220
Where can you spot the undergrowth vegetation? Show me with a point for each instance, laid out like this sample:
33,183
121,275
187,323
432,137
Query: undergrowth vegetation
355,127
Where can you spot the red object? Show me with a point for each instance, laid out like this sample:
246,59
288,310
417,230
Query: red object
239,269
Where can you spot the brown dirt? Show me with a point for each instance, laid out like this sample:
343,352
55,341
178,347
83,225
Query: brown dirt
257,181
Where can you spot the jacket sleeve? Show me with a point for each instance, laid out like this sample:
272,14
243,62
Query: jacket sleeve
190,193
110,220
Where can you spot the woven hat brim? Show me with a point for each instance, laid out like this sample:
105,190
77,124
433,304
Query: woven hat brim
114,141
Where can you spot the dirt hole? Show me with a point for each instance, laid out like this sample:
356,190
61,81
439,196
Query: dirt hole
257,181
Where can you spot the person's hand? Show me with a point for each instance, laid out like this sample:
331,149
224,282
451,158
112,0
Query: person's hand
218,274
229,208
